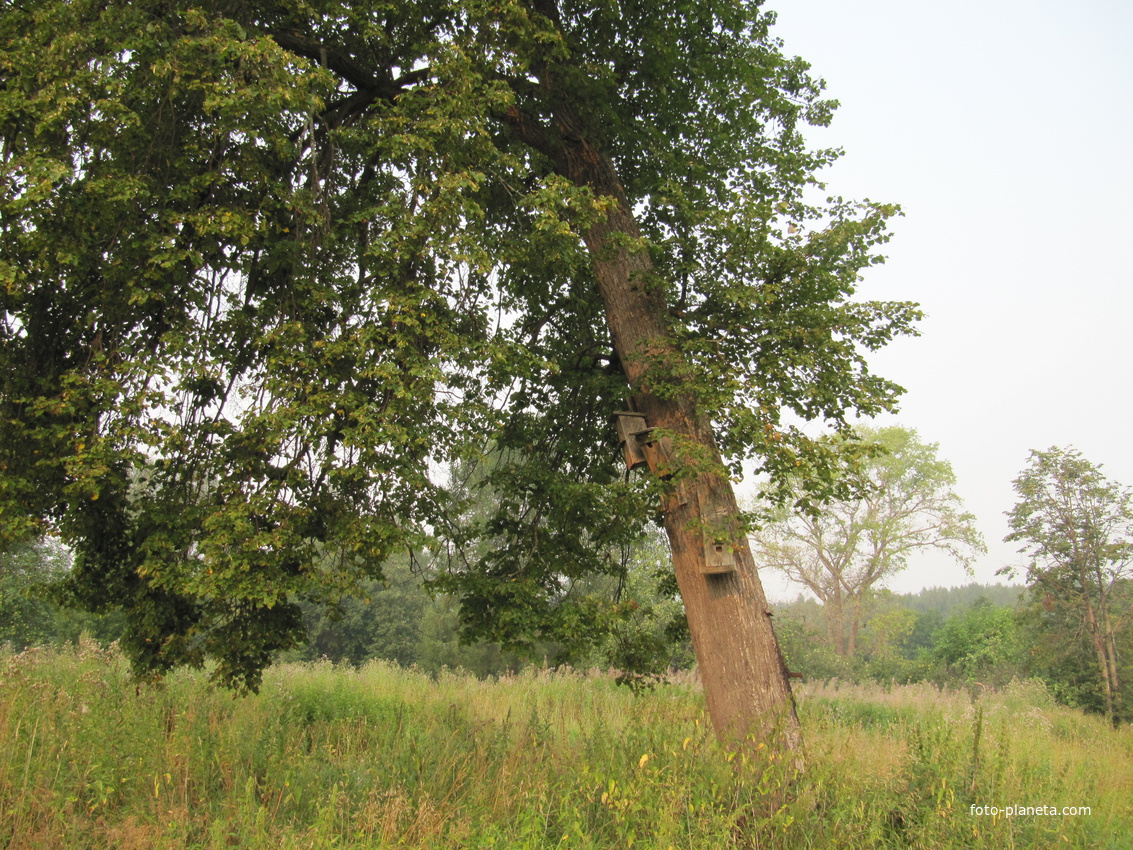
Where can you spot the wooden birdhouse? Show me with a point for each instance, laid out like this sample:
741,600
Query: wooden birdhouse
629,425
718,531
658,453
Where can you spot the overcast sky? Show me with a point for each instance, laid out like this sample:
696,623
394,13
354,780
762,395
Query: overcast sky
1003,128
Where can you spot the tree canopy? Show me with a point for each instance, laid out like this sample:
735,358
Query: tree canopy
265,268
906,504
1076,527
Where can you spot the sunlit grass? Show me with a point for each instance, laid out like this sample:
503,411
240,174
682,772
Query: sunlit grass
386,757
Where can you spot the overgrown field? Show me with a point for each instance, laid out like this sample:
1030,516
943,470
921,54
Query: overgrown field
384,757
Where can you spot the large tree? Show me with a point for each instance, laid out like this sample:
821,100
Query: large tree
266,265
1076,527
905,504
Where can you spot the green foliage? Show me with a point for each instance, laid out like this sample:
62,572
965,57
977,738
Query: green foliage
397,620
265,267
806,649
641,631
381,757
885,641
954,637
949,600
1076,527
30,613
1058,651
26,616
924,629
383,621
529,577
1069,517
981,644
441,648
648,634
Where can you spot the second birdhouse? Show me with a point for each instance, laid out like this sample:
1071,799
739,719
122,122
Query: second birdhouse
718,531
658,452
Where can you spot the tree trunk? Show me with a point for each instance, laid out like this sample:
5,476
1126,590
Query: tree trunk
745,678
834,610
743,671
1099,648
1111,658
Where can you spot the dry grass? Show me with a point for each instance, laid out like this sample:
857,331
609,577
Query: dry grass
384,757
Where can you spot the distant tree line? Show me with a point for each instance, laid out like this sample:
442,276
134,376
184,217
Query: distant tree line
397,619
1070,625
976,636
31,613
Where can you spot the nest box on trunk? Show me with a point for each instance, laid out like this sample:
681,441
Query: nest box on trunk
642,447
718,530
629,425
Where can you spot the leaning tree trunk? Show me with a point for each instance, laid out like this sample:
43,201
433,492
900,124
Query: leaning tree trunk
745,678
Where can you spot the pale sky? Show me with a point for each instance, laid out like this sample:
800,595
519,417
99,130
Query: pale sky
1004,128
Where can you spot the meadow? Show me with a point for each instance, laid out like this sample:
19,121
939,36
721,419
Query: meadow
333,757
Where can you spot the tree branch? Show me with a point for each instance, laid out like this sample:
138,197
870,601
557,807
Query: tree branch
328,56
369,87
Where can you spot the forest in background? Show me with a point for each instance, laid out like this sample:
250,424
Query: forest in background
976,637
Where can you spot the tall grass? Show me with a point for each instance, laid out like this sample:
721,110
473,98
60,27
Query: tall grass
384,757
